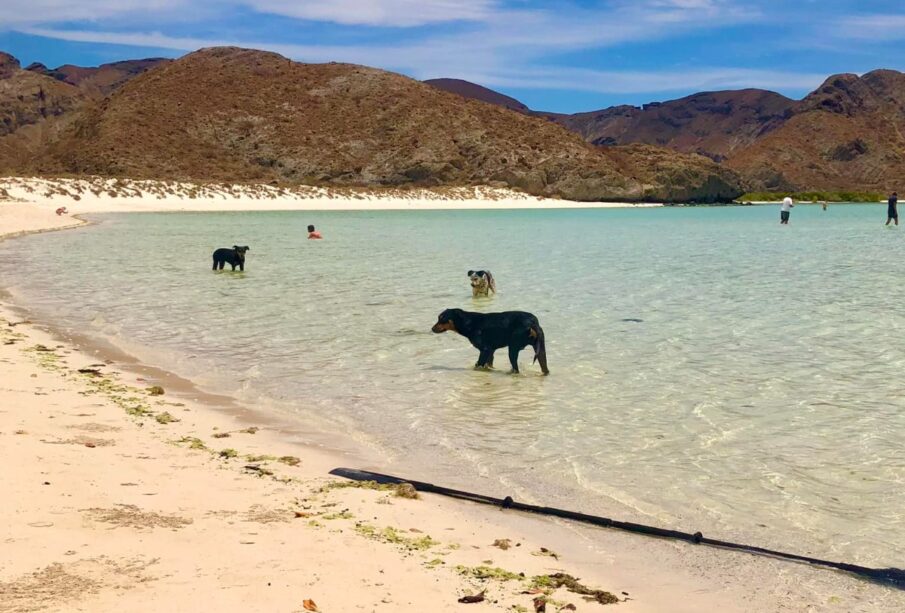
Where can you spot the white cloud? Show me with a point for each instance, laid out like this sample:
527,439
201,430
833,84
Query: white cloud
398,13
871,27
497,46
402,13
17,13
650,82
517,76
512,40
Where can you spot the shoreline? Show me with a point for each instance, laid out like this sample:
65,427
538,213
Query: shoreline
330,533
98,195
50,362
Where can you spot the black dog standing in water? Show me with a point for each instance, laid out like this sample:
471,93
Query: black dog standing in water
491,331
234,257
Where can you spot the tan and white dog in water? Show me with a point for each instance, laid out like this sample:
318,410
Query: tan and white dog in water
482,283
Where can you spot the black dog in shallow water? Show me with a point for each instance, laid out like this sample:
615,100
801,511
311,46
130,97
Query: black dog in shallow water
234,257
491,331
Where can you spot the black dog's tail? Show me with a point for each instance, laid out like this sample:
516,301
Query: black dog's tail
540,349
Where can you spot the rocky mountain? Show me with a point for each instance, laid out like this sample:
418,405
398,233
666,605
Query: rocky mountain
27,99
238,115
101,80
848,134
474,91
715,124
32,109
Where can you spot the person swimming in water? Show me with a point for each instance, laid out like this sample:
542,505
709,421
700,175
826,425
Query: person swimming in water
892,211
312,233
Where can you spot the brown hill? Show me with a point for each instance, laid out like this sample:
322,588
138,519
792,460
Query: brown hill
474,91
31,109
715,124
228,114
846,135
100,80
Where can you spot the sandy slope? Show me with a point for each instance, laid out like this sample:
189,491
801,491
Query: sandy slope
103,509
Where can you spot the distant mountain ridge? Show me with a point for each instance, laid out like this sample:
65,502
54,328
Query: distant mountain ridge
239,115
478,92
846,135
103,79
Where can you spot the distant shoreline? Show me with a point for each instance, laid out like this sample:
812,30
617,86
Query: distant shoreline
102,195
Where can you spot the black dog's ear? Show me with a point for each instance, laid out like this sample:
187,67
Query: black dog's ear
470,272
247,248
236,247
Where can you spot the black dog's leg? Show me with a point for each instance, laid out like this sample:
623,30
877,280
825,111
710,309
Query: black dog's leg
489,361
513,357
215,264
482,359
222,264
242,266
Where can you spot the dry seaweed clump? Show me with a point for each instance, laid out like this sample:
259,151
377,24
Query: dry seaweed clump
395,537
406,490
193,443
364,485
558,580
165,418
155,390
489,572
130,516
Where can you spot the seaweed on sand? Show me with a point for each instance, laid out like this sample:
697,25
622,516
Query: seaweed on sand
489,572
558,580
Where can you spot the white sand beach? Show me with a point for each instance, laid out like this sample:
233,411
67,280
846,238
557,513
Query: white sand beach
99,195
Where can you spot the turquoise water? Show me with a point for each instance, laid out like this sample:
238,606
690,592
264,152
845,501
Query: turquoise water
760,397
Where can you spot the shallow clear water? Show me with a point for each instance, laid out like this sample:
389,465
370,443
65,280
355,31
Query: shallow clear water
760,397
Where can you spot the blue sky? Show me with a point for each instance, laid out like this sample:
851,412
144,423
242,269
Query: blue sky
562,56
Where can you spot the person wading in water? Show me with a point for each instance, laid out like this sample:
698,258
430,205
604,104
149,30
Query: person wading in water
892,213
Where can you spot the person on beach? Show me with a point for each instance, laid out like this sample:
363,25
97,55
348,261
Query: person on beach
823,204
892,211
62,211
312,233
785,210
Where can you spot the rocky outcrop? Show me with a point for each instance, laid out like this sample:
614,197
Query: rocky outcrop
8,65
27,98
846,135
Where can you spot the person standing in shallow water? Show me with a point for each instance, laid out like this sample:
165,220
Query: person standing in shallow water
312,233
785,210
892,212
